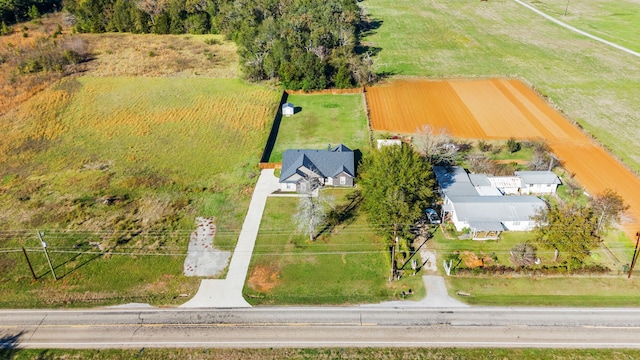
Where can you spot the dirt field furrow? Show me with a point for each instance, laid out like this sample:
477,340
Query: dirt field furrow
500,109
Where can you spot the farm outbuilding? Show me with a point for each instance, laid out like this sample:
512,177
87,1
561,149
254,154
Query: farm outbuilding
288,109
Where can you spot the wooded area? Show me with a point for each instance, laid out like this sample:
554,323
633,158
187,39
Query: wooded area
13,11
305,44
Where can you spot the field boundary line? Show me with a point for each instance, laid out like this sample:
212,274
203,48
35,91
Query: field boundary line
576,30
358,90
273,133
367,112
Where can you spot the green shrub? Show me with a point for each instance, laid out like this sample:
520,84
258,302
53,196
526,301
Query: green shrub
213,42
513,145
5,30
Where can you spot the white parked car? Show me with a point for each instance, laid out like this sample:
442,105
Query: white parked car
432,216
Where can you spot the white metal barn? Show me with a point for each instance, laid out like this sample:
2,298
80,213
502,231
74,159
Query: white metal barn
473,201
538,182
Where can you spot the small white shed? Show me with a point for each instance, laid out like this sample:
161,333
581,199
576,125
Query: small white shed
287,109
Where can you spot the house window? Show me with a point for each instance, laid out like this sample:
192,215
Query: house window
516,223
343,180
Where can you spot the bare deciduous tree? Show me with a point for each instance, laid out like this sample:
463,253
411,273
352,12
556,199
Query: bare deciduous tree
523,254
152,7
607,207
439,147
541,159
572,185
312,209
480,164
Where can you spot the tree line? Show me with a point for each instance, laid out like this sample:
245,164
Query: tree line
304,44
14,11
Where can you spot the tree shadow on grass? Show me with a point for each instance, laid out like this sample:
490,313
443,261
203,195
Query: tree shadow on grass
74,258
368,49
9,345
430,232
342,214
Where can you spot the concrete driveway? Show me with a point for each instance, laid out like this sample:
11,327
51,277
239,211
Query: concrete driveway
222,293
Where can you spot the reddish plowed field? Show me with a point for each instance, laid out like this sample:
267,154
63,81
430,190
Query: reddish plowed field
500,109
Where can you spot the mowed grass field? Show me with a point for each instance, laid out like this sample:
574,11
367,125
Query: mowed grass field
593,84
323,119
617,21
114,171
607,290
347,264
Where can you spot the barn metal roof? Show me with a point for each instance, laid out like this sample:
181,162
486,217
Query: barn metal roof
454,181
496,208
538,177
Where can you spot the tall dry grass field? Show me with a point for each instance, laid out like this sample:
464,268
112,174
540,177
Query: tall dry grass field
15,88
149,55
146,133
126,163
189,128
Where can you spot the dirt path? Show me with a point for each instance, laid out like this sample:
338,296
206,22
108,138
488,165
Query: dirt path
576,30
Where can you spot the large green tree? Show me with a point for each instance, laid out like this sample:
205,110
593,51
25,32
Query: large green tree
397,185
569,229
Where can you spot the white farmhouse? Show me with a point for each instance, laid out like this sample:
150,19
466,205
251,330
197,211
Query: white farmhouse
471,201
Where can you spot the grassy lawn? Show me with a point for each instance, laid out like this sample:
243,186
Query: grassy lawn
613,20
124,166
323,119
551,291
345,265
608,290
595,85
88,278
327,353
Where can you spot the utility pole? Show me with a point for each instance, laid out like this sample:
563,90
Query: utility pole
35,278
44,247
393,253
551,157
635,255
566,8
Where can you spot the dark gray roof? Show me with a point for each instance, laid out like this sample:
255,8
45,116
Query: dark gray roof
325,163
538,177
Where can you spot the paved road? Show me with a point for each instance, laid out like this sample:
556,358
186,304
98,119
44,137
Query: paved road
323,327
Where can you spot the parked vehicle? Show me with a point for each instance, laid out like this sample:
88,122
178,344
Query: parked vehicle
432,216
